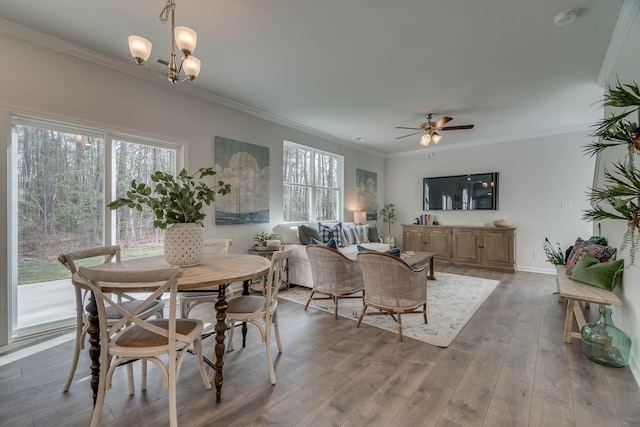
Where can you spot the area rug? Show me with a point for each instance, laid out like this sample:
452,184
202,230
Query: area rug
451,301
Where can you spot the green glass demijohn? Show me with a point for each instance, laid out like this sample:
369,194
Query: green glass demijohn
605,343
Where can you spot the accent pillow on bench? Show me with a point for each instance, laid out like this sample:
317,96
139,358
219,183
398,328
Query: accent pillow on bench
604,275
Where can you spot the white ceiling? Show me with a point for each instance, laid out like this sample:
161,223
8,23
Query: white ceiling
356,68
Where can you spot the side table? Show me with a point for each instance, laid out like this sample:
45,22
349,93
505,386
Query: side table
258,285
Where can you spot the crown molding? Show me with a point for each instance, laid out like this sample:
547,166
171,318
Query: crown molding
62,46
628,14
542,133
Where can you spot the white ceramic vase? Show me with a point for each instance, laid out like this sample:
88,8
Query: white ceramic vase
184,244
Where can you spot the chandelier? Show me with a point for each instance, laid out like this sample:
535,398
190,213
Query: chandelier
184,37
432,135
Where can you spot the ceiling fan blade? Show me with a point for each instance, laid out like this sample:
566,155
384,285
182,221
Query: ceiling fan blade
411,134
400,127
458,127
442,121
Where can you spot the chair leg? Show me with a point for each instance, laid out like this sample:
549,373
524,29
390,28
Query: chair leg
309,300
230,328
197,348
143,367
97,408
173,404
132,387
335,312
80,334
424,311
277,331
400,326
361,315
184,309
267,340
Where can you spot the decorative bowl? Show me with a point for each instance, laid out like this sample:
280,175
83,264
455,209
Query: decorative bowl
502,223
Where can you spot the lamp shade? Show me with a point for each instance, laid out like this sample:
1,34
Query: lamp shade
426,138
359,217
191,67
140,48
186,40
436,137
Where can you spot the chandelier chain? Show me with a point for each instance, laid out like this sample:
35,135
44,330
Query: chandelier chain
164,13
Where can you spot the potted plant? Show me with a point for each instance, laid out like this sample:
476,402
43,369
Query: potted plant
618,197
388,214
178,203
262,238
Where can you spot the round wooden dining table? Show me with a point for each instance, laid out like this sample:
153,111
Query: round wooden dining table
215,270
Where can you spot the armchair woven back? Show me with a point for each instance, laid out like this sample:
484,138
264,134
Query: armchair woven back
333,272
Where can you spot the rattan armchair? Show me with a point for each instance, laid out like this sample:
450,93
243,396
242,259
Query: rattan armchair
393,287
334,275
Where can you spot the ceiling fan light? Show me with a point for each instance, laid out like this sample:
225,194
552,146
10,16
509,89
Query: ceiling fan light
186,40
140,48
436,137
426,138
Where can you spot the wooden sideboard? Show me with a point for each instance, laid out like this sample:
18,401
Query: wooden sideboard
491,248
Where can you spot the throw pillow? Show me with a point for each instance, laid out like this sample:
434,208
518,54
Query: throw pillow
394,251
350,234
363,232
604,275
331,231
580,247
373,233
330,244
305,232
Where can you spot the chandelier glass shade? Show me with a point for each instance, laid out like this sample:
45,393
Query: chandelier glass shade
183,37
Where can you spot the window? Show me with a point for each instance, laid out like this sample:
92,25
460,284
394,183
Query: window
62,177
312,184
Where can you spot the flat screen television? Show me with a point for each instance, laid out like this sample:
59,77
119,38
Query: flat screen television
461,192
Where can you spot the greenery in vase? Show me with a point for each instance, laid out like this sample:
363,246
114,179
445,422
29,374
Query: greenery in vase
388,214
173,199
262,238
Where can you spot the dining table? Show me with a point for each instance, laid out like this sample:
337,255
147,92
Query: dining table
215,270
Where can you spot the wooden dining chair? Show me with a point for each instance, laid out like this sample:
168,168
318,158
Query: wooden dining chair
334,275
133,338
104,254
392,287
261,310
190,299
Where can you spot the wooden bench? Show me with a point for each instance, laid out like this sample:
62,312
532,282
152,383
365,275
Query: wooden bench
576,292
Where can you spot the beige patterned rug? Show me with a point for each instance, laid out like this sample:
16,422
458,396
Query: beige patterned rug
451,301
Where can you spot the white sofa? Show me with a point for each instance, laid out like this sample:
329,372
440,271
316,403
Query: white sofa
299,269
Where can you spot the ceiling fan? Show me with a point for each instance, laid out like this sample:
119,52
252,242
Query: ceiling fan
430,128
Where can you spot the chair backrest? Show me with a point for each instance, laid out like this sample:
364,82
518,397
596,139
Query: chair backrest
222,245
274,276
110,254
118,279
390,282
332,271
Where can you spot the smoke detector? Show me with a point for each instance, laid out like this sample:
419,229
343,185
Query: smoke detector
565,17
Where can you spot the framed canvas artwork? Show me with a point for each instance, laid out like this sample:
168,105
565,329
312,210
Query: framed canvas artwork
246,167
367,193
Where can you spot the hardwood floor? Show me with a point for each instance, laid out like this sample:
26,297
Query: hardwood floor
508,367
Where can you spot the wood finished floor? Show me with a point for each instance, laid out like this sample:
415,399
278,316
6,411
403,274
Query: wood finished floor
508,367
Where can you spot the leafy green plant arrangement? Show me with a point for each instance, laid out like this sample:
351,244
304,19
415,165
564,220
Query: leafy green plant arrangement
173,200
616,130
388,214
621,197
262,237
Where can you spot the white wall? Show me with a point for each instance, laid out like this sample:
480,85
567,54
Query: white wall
71,89
536,176
626,317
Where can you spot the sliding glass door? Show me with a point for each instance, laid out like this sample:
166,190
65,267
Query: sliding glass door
61,178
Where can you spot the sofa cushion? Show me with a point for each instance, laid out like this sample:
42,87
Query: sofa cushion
604,275
288,233
580,247
330,244
394,251
363,232
331,231
305,232
350,234
373,232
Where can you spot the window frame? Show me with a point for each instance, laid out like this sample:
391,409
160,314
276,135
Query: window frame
313,187
108,136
